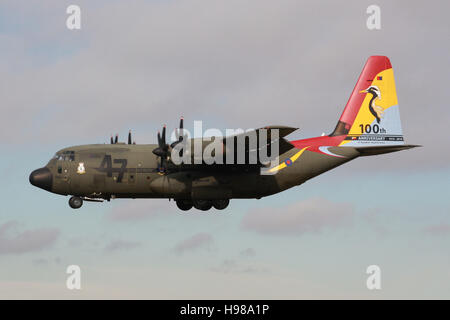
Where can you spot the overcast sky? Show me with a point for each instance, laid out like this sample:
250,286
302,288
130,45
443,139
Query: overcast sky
233,64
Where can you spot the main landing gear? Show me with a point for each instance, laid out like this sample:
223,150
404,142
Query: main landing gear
182,204
203,205
75,202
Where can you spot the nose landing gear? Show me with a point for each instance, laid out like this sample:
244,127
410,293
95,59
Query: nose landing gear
75,202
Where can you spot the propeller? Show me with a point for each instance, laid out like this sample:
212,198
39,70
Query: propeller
179,134
162,150
115,139
163,147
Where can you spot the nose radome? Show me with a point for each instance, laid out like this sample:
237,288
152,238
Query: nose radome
42,178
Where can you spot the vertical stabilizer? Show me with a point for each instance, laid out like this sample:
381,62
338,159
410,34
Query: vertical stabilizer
371,116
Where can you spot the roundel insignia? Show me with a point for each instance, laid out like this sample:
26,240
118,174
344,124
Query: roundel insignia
288,162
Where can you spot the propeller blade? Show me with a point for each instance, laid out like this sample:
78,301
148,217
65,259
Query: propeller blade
116,139
112,139
163,139
129,137
162,151
180,132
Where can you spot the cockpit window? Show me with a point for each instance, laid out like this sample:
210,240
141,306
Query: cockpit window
65,156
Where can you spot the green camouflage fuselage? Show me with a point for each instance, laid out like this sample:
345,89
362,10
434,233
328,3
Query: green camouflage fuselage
131,171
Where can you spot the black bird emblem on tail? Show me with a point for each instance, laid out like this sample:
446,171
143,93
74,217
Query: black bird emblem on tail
377,111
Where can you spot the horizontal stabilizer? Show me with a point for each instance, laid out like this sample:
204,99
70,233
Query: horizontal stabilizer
283,130
371,151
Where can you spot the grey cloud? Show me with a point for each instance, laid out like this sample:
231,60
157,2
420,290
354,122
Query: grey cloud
199,240
249,252
40,261
438,229
232,266
45,262
13,241
118,245
308,216
373,216
165,58
226,266
76,242
240,264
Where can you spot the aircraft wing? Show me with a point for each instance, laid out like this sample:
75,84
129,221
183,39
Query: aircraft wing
271,138
242,142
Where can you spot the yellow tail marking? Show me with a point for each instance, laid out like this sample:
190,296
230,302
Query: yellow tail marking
293,159
387,100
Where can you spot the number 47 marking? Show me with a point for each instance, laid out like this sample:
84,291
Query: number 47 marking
106,166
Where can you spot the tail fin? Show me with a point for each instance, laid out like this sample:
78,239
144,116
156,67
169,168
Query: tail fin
371,116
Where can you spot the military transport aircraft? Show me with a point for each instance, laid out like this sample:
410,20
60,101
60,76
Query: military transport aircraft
369,125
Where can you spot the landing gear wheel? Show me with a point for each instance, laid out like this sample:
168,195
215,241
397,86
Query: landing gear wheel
184,205
203,205
75,202
221,204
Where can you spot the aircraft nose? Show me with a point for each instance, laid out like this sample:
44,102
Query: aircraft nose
42,178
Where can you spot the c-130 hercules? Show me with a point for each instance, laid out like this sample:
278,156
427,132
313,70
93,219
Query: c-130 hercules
369,125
